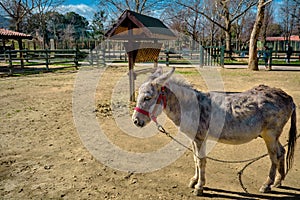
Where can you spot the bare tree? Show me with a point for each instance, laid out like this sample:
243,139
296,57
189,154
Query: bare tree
288,11
116,7
67,35
184,20
268,19
17,10
227,11
43,7
253,61
297,16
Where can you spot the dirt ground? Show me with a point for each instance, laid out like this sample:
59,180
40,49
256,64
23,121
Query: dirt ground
43,157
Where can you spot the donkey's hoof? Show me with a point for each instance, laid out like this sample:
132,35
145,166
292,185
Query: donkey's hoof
265,189
277,184
192,183
198,192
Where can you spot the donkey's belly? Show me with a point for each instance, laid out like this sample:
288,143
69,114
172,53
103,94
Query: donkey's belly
237,140
236,135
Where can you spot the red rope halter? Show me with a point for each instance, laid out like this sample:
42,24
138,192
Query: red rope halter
162,99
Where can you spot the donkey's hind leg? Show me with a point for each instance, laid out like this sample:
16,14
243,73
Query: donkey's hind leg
194,179
201,163
273,147
280,167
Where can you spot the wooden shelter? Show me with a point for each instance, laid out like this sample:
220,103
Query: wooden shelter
142,34
8,34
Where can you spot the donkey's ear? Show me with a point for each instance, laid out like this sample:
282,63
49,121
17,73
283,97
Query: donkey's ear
158,72
162,79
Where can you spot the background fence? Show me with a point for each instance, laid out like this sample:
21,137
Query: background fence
210,56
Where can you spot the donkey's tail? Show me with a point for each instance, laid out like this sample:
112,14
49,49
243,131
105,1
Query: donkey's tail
292,141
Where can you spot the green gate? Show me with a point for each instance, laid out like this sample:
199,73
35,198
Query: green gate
211,56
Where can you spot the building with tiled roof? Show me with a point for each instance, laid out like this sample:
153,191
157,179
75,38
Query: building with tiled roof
279,43
8,34
11,35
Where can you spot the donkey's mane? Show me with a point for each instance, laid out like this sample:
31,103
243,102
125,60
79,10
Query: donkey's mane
181,83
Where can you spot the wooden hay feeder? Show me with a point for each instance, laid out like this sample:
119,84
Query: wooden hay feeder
142,34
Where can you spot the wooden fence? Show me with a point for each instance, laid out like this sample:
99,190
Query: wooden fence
273,56
14,59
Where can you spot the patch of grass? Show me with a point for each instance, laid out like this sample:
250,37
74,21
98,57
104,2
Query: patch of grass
260,62
186,72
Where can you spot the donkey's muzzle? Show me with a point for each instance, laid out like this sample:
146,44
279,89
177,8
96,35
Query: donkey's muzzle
138,122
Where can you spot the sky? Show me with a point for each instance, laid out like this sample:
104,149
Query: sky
85,8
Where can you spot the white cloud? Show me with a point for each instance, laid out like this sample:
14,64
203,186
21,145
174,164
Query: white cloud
81,9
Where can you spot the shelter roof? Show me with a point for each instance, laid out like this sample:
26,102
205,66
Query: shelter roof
292,38
141,26
8,34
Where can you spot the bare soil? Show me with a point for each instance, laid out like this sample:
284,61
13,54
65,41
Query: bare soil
43,157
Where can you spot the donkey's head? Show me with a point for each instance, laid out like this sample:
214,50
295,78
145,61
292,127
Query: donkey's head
151,94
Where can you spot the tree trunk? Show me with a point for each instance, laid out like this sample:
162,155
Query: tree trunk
253,61
228,40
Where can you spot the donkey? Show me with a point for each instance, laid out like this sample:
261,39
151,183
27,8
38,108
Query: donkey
232,118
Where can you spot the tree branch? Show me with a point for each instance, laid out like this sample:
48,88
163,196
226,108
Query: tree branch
203,14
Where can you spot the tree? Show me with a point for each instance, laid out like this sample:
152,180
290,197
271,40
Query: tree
288,12
268,19
274,30
20,11
253,61
68,35
55,26
185,21
79,23
297,16
227,13
17,10
116,7
97,25
43,7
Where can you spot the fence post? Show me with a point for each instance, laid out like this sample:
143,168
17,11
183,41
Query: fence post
47,59
201,56
167,58
10,62
222,56
21,53
270,60
103,50
76,58
91,60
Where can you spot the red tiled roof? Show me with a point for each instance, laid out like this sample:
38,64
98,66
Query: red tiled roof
7,34
292,38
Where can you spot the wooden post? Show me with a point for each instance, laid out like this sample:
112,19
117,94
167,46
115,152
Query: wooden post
131,76
21,52
76,58
222,56
131,63
270,60
201,56
167,59
10,62
47,59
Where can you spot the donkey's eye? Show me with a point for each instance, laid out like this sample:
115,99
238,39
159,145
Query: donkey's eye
147,98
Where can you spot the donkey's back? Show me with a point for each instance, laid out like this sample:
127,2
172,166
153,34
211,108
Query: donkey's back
248,114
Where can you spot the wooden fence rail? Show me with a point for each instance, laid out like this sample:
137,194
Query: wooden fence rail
23,58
